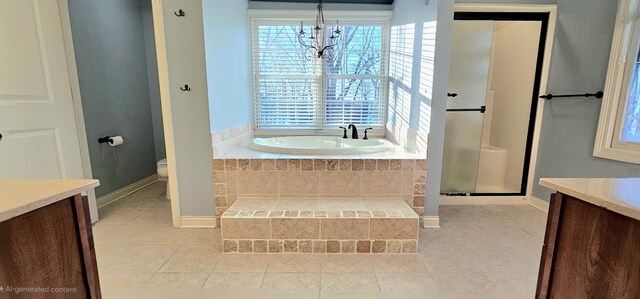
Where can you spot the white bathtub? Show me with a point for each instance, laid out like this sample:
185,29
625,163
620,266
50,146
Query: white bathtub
319,145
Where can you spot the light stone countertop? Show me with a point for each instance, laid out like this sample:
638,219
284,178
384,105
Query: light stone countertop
19,197
617,195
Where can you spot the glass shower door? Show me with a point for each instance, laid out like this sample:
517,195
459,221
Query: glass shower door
470,61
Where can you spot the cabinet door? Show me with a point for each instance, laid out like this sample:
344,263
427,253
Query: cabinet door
42,249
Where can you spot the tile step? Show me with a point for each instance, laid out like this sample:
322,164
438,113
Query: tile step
366,225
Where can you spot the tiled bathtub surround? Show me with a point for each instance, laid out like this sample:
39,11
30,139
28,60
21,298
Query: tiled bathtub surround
227,140
319,225
309,178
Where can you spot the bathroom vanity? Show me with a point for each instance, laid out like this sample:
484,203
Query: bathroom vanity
592,243
46,243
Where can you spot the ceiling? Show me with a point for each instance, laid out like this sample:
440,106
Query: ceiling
332,1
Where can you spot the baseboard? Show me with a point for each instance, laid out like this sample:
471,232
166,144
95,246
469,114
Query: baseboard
198,221
539,203
114,196
483,200
431,221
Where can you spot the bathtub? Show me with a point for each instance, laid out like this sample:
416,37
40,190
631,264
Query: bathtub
319,145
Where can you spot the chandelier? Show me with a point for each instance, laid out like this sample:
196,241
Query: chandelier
320,46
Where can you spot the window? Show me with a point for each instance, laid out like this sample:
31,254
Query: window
618,135
291,92
400,77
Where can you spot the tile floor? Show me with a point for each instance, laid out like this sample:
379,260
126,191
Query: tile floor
480,252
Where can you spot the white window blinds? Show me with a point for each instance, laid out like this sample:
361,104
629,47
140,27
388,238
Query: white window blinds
291,92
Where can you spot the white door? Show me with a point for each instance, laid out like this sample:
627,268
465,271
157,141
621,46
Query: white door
37,120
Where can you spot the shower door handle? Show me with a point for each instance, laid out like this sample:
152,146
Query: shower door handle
482,109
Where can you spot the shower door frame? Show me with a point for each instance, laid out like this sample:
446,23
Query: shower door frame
546,14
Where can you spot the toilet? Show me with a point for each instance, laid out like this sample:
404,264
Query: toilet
163,174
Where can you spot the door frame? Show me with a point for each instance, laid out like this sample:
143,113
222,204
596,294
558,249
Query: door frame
76,99
551,9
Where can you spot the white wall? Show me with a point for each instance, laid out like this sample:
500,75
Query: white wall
428,103
515,49
227,47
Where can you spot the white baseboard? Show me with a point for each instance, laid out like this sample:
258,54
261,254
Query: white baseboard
431,221
112,197
539,203
198,221
483,200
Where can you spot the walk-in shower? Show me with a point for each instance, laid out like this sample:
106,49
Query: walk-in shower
494,83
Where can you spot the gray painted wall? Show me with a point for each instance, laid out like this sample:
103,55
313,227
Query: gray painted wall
192,158
154,83
110,50
578,64
226,27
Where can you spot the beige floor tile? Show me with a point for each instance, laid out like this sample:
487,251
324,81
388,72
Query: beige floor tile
160,292
352,295
512,236
107,254
346,263
233,293
447,258
292,281
156,215
135,202
222,280
144,258
518,285
110,217
504,241
126,234
294,263
192,258
284,294
177,280
406,282
498,258
397,263
536,231
242,263
123,285
462,282
167,235
347,283
206,236
154,190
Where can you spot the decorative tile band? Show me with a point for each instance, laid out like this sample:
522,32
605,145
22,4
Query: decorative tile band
318,214
319,246
319,164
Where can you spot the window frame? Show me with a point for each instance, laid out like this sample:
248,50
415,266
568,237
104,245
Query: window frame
347,17
624,50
